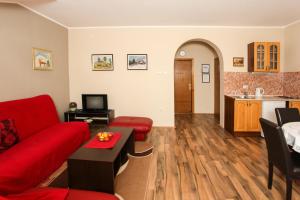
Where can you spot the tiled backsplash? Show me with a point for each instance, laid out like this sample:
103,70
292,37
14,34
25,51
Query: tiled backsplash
291,84
271,83
284,83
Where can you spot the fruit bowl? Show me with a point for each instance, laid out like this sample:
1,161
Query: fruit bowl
104,136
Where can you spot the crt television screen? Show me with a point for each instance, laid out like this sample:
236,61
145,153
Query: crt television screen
94,102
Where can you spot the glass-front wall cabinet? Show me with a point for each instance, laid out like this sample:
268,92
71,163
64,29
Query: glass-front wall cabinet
274,54
260,57
264,57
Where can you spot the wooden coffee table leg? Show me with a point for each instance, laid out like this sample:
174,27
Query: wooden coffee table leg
87,175
130,144
107,178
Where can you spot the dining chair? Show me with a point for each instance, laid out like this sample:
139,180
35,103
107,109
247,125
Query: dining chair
285,115
280,156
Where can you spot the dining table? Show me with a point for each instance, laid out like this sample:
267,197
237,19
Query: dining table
291,132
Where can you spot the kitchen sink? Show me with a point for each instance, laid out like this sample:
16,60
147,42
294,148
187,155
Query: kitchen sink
251,97
244,97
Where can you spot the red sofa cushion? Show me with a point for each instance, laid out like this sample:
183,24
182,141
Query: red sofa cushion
31,115
59,194
89,195
8,134
40,194
34,159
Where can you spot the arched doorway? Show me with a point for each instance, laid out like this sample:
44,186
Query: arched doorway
197,78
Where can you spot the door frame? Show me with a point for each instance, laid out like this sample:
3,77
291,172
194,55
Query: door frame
192,89
217,93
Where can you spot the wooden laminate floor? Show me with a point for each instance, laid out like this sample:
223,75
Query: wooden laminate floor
199,160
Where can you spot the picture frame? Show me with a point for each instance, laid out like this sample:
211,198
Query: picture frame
102,62
238,61
205,68
137,62
205,78
42,59
205,73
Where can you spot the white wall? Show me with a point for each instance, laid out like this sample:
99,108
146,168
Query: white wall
203,92
292,41
150,93
20,30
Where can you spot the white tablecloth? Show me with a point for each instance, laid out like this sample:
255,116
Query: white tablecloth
291,132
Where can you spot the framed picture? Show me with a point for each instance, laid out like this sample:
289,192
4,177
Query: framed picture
238,61
205,68
205,73
41,59
102,62
137,62
205,77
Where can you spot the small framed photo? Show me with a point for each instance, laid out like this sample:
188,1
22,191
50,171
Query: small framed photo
102,62
205,77
41,59
137,62
205,68
238,61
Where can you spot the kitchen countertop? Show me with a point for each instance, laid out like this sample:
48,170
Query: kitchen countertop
264,98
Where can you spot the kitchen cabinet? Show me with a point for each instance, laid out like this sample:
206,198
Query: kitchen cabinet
294,104
242,116
264,57
253,115
246,115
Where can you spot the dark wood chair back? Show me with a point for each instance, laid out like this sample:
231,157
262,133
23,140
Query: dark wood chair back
285,115
278,150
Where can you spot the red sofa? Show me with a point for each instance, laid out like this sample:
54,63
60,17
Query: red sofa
45,143
59,194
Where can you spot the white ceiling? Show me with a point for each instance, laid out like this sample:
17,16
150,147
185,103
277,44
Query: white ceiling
90,13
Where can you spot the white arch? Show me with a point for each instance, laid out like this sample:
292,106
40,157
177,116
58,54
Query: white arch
220,56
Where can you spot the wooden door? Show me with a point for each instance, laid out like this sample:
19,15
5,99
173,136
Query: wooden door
273,59
295,104
253,114
217,88
240,115
183,86
260,57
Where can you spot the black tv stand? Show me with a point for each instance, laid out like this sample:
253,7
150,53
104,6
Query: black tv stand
100,116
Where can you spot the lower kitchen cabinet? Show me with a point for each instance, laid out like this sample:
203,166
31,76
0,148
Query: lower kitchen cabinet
242,116
294,104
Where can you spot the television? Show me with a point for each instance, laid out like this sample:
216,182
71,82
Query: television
94,102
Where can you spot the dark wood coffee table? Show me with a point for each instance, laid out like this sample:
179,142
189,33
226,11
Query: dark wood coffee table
95,169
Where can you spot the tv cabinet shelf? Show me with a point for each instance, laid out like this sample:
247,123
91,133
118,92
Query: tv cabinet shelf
105,116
